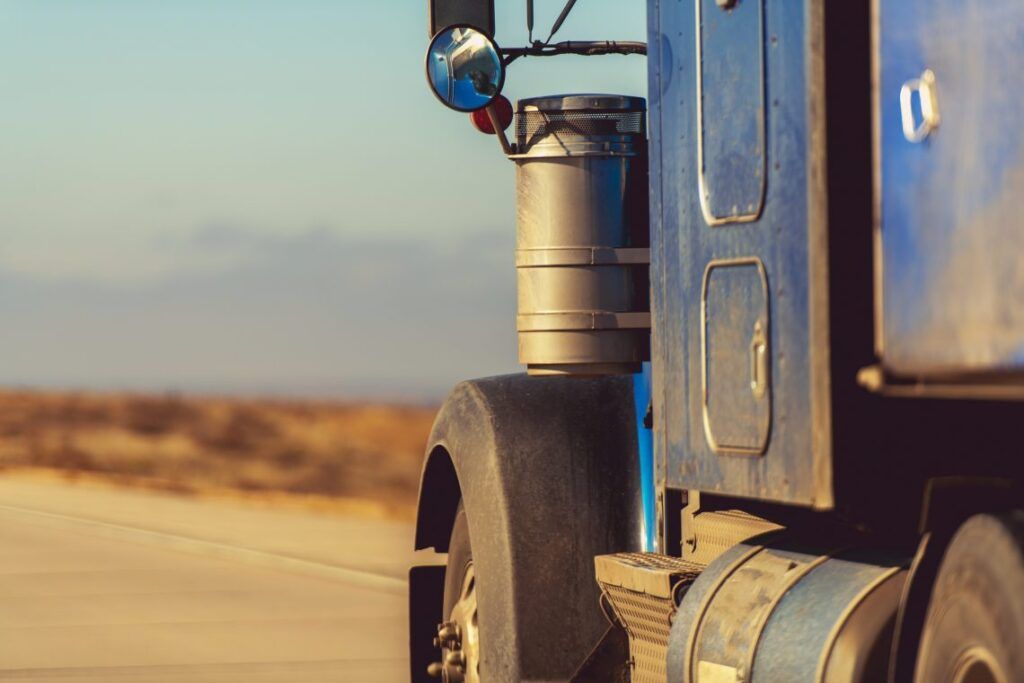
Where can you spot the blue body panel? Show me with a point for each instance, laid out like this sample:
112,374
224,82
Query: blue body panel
731,147
952,205
740,335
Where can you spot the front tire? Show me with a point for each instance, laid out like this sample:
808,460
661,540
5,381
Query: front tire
975,625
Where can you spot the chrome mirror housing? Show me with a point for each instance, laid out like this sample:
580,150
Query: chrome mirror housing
464,68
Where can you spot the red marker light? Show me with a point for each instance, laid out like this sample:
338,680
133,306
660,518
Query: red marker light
503,110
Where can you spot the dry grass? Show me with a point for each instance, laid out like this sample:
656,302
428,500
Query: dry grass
312,450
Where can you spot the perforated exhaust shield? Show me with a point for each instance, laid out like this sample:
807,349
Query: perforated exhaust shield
534,124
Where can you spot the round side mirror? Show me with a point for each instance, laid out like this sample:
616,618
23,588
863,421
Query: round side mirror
464,68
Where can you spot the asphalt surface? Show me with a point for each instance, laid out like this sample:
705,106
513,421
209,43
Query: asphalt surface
100,584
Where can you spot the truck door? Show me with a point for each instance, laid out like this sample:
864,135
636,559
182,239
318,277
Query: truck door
738,245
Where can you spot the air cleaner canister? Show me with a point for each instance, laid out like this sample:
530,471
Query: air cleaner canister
582,235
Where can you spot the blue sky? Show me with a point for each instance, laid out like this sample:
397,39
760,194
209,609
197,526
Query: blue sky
255,195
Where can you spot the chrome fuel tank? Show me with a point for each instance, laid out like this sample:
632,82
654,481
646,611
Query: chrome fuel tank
780,611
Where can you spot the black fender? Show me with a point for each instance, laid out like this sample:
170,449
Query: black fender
547,470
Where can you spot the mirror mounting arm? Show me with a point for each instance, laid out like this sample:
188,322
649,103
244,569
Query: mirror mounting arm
499,130
575,47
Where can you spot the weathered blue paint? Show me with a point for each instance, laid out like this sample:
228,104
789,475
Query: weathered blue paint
737,419
645,450
700,262
952,205
732,115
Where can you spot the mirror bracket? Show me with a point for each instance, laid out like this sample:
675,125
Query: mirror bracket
575,47
499,130
445,13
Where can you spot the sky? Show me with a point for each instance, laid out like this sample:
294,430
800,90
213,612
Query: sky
260,195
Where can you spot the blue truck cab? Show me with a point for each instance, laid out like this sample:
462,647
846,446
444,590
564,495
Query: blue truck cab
817,476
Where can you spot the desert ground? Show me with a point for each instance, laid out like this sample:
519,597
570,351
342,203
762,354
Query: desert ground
351,457
171,538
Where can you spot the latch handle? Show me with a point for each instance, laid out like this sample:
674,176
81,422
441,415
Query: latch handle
930,119
758,362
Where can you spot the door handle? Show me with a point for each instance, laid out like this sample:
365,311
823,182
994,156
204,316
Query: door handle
924,85
758,362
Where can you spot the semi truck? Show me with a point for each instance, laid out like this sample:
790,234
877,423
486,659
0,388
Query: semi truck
772,318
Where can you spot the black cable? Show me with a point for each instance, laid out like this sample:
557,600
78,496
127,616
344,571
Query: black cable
561,19
529,20
609,613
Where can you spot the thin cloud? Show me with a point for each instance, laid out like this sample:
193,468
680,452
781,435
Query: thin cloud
309,313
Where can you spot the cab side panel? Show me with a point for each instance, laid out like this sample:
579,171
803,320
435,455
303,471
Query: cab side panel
738,341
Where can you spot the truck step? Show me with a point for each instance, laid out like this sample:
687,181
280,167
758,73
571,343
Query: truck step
643,591
707,534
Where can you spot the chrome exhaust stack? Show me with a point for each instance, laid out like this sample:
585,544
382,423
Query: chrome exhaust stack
582,235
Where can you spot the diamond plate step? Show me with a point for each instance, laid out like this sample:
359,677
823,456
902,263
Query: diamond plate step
643,590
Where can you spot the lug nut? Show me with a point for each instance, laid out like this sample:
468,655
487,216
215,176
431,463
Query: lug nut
448,632
456,659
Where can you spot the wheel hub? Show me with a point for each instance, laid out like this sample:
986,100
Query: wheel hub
459,638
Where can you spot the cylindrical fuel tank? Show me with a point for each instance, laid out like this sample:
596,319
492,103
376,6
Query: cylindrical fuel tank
785,613
582,235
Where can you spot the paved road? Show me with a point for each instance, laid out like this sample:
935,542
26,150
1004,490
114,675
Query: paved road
107,585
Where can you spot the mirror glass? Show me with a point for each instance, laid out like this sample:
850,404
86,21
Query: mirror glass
464,68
